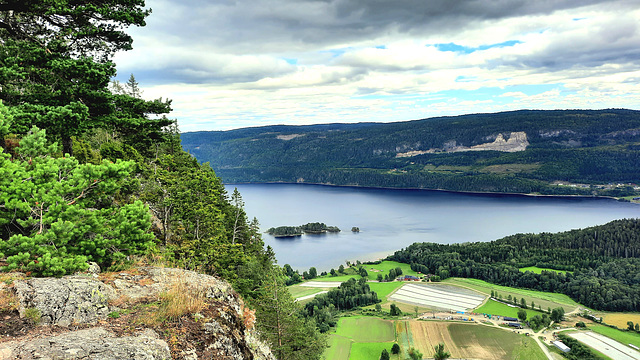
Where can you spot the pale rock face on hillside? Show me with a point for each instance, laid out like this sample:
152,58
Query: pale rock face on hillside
77,319
517,142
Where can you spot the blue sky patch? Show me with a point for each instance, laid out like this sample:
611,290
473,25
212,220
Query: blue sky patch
468,50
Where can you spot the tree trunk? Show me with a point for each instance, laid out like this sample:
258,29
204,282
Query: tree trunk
67,146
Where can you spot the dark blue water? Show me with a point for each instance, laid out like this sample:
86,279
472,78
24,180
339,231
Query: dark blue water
393,219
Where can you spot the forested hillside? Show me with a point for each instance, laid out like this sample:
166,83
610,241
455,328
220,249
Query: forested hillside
90,171
547,152
604,260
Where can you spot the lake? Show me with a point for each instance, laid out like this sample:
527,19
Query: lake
391,219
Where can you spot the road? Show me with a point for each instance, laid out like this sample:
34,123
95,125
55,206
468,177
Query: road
311,296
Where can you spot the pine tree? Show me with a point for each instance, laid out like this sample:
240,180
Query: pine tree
238,221
384,355
133,87
70,216
440,353
290,336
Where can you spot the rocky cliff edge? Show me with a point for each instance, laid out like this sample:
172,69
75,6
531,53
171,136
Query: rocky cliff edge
142,313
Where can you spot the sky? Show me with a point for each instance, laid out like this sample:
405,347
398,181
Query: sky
230,64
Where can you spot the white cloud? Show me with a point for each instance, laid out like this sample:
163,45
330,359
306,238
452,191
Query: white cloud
236,63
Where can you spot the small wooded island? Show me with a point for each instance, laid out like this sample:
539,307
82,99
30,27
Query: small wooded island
309,228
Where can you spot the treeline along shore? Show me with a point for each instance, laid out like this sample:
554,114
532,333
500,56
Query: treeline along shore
554,152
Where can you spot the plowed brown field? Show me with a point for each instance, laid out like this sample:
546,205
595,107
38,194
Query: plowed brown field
463,341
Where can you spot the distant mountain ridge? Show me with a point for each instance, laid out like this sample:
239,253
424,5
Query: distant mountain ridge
580,152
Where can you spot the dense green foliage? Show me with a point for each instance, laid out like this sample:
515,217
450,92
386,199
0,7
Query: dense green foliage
308,228
605,261
91,171
58,214
440,353
584,147
384,355
350,294
290,334
318,228
285,231
394,310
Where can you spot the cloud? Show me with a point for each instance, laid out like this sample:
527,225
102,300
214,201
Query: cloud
240,63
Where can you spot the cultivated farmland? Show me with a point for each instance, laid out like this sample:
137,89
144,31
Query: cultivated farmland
497,308
620,319
467,341
377,330
544,299
625,337
439,297
360,338
363,337
607,346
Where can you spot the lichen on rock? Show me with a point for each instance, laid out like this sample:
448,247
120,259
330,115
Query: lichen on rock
120,317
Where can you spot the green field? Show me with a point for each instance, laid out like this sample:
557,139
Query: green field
384,267
360,337
537,270
339,348
377,330
496,308
383,289
373,270
368,351
619,335
544,299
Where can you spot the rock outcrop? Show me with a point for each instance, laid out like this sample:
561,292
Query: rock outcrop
65,301
115,316
517,142
95,343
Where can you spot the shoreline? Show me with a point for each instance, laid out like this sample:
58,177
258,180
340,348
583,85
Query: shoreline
482,193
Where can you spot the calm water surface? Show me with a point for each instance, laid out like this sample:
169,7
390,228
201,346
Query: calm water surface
393,219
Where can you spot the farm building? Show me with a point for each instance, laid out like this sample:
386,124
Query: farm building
594,318
560,345
506,318
410,278
515,325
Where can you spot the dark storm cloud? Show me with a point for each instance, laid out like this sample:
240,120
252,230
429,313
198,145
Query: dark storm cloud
295,25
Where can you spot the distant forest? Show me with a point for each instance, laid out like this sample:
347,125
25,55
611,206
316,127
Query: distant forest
570,152
605,261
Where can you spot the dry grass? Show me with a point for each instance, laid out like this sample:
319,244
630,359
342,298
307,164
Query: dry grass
120,301
9,278
145,282
620,319
179,300
8,300
106,276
